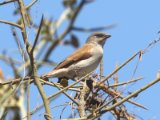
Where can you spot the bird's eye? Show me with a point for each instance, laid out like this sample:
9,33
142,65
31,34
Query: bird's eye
99,35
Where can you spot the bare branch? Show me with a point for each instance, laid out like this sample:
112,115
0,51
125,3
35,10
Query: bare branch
18,42
69,86
31,4
38,33
132,95
6,2
127,82
48,114
120,67
101,69
115,93
11,23
67,95
28,100
82,102
15,81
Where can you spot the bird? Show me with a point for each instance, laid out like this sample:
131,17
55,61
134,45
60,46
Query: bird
81,62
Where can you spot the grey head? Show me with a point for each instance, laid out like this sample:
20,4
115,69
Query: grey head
98,38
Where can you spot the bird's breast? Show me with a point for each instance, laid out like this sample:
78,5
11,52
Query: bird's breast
86,66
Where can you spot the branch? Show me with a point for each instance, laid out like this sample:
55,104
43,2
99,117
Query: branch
6,2
36,39
82,102
128,97
32,62
107,103
67,95
28,100
118,68
19,45
114,93
124,83
101,69
59,92
18,80
15,81
31,4
69,86
11,23
132,95
23,30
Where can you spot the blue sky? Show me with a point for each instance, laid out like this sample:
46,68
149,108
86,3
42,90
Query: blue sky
137,24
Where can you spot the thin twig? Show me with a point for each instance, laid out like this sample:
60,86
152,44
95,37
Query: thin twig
37,36
124,83
31,4
101,69
18,42
107,103
6,2
67,95
48,114
22,52
132,95
120,67
23,30
15,81
54,84
28,100
69,86
59,92
11,23
115,77
115,93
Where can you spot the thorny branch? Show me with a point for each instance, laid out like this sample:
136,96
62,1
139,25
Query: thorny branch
29,49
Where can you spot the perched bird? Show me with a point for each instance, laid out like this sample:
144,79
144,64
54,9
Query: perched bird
82,61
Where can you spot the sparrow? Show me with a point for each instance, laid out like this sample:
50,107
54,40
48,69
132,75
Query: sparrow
82,61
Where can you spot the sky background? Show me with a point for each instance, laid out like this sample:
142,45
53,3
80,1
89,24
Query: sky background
137,25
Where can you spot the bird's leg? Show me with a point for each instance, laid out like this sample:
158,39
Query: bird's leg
44,78
63,81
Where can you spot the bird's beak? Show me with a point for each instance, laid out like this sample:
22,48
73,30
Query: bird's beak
107,36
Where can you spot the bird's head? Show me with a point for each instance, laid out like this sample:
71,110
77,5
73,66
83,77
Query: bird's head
98,38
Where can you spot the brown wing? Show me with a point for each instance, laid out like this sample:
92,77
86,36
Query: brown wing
81,54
